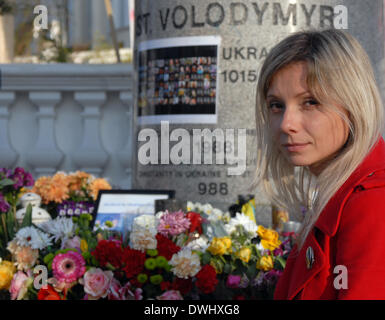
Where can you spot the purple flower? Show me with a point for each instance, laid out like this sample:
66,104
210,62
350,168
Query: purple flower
5,173
28,180
4,205
258,280
173,223
244,282
272,276
72,208
21,178
278,251
233,281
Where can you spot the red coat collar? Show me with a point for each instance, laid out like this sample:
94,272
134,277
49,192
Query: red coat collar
374,161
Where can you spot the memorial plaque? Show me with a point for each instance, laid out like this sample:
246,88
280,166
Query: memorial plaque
197,64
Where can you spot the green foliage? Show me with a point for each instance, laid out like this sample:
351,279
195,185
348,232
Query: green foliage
27,220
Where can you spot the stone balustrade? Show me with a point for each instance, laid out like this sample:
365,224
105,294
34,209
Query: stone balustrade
63,117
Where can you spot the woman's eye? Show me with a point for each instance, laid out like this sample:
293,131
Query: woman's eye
275,106
311,103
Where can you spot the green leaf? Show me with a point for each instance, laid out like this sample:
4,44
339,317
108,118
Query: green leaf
6,183
10,224
251,271
281,261
205,258
27,220
227,268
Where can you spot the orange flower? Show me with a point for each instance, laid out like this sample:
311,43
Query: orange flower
42,187
49,293
78,180
97,185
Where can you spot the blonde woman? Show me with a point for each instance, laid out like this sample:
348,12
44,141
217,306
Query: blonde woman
319,130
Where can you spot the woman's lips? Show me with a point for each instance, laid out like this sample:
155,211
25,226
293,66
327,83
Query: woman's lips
295,147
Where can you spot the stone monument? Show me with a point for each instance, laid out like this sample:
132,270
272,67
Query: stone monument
196,68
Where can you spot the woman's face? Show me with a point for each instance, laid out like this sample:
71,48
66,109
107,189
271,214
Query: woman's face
306,132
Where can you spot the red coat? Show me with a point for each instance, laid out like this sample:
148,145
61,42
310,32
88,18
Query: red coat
350,231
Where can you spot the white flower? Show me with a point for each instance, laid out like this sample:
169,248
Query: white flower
260,247
33,238
198,206
61,228
200,244
143,239
243,220
185,263
215,215
146,221
207,208
160,214
190,206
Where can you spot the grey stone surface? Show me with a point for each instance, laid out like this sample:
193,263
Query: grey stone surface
245,40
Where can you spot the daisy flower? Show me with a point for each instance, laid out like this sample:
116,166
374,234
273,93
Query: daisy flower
61,228
185,263
68,267
244,221
32,237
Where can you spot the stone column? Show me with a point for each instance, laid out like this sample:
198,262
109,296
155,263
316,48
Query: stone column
125,155
99,22
7,40
45,157
91,156
8,156
81,22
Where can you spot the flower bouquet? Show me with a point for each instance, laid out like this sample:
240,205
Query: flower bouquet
247,258
69,194
200,254
12,186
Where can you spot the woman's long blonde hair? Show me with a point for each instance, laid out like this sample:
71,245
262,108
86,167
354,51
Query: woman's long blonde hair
339,70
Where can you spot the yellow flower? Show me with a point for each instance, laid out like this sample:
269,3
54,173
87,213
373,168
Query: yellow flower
220,246
7,269
83,245
269,238
97,185
265,263
244,254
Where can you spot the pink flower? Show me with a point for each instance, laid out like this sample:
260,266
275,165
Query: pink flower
233,281
68,267
97,283
73,243
173,223
117,292
170,295
19,285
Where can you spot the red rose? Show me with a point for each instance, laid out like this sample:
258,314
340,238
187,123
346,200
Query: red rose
183,285
195,222
133,262
166,247
108,251
239,297
48,293
206,279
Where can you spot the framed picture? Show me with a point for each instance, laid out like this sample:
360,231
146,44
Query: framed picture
120,207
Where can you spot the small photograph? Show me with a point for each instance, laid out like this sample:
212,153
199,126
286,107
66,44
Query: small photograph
180,77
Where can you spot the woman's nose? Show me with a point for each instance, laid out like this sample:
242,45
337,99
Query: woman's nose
291,120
